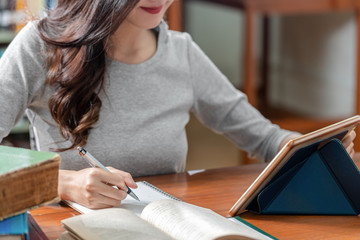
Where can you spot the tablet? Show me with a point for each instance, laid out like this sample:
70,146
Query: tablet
319,137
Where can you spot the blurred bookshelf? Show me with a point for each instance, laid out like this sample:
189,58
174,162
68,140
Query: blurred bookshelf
14,14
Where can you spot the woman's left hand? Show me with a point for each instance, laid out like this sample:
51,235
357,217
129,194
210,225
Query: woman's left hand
348,143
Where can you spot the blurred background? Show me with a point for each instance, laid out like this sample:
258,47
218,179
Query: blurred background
296,59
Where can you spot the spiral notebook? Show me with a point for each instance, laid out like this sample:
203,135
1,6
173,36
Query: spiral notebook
146,192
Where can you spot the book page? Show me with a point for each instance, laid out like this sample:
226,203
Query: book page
185,221
112,224
145,192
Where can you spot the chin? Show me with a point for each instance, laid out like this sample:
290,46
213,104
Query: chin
150,24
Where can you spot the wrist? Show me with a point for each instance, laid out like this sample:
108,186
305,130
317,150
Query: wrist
64,185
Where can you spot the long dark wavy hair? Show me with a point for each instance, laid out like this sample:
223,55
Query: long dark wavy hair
75,33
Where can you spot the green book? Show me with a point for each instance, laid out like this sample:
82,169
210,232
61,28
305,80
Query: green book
27,179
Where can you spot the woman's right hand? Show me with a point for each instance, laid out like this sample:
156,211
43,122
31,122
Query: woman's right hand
93,187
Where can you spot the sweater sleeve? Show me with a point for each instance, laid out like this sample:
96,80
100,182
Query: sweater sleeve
22,73
224,109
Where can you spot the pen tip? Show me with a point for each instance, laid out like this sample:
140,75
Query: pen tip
134,196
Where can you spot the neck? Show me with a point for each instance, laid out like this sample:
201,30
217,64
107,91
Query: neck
131,45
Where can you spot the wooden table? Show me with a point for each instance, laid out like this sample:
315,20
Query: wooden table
219,189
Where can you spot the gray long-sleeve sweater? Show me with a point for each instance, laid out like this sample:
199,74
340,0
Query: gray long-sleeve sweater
145,106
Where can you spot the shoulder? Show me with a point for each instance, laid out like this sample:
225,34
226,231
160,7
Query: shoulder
180,36
29,32
183,43
27,48
25,52
180,43
28,38
30,29
174,38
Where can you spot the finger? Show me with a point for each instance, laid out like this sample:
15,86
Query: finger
126,177
100,201
111,178
349,139
129,180
352,153
94,186
94,196
350,147
113,192
101,181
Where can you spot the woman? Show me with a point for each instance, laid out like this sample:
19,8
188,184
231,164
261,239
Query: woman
108,75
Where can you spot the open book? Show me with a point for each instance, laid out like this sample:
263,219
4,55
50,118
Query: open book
162,219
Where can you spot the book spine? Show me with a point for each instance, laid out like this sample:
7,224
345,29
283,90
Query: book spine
16,225
28,188
35,231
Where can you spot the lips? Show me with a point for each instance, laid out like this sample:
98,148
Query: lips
152,10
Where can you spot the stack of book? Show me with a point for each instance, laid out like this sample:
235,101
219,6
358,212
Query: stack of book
27,179
15,227
21,227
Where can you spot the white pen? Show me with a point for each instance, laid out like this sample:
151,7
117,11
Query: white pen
95,163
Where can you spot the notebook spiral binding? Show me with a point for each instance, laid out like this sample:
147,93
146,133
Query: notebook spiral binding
161,191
